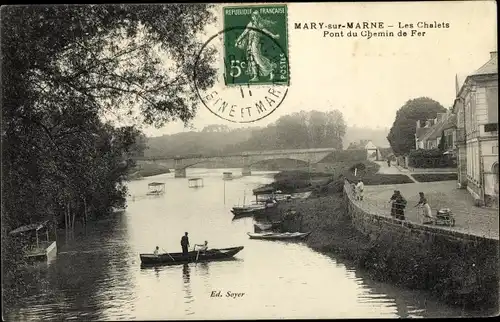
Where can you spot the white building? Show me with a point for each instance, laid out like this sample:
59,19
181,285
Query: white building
476,106
372,152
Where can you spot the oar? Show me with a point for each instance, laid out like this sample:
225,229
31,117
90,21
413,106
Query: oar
197,255
169,255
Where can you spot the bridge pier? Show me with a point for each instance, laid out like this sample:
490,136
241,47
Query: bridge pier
245,171
180,173
180,170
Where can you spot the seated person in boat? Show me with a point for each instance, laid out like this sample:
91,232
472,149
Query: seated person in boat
202,247
156,251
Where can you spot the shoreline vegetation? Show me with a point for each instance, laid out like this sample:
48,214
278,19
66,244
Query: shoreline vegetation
141,171
325,213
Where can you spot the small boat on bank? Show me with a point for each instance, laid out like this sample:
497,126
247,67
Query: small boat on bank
277,197
278,236
192,256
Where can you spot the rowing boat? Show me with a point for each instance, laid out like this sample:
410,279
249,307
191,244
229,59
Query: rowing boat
278,236
192,256
247,209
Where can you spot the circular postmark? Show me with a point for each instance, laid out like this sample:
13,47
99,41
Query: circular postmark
252,75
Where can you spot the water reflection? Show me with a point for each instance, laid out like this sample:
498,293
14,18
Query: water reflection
188,297
157,271
185,273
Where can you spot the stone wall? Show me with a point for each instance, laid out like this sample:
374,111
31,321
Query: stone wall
458,268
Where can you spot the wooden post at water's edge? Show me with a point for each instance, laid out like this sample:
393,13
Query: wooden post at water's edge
85,210
66,217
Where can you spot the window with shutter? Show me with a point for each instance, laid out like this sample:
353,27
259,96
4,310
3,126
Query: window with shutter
492,101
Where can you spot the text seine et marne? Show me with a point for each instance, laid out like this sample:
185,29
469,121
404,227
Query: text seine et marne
369,25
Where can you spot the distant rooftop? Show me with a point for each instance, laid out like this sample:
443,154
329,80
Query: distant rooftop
435,130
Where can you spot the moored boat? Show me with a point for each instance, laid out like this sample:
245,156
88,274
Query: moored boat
247,208
278,236
34,246
192,256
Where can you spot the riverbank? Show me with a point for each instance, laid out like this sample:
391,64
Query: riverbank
460,273
147,170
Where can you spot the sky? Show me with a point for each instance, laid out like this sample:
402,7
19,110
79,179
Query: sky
368,80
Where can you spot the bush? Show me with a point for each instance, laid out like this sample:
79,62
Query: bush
147,170
429,159
359,166
429,177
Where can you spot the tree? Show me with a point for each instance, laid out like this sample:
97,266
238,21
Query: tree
442,142
402,133
67,68
215,128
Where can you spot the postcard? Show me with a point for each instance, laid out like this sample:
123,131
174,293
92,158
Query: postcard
260,160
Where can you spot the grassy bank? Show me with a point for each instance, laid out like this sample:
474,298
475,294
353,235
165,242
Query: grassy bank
147,170
429,177
438,268
322,183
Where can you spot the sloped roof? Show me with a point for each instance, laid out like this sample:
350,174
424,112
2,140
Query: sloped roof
29,227
370,145
451,121
422,131
435,131
491,67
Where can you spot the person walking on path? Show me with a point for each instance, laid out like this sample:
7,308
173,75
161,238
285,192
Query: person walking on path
421,202
185,244
360,187
392,201
400,204
424,210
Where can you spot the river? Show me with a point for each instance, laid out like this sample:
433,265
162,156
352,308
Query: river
97,275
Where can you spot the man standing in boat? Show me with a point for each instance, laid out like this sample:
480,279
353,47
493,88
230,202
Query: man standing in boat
185,244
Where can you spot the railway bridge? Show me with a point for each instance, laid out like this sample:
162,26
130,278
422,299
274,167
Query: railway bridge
244,159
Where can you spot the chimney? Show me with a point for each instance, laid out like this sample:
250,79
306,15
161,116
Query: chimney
418,124
493,54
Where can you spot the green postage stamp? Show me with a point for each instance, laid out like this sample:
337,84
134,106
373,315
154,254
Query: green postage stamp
256,45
